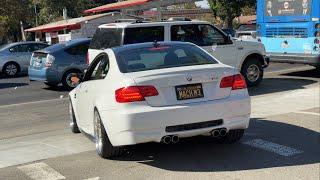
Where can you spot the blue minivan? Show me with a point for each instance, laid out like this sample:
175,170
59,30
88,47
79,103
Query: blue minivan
58,63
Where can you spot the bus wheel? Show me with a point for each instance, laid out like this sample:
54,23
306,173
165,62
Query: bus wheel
252,71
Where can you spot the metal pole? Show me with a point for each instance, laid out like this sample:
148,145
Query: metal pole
35,11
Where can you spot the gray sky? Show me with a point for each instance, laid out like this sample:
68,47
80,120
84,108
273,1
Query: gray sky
203,4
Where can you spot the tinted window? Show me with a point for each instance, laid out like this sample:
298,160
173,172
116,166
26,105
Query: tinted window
201,35
162,57
106,38
287,8
143,34
78,50
21,48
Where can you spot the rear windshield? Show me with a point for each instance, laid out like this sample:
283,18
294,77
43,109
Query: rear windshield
247,27
144,34
144,59
105,38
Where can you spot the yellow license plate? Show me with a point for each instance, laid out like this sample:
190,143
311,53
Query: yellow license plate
190,91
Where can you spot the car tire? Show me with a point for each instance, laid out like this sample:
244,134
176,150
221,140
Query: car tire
103,145
11,69
51,84
252,71
232,136
72,120
66,79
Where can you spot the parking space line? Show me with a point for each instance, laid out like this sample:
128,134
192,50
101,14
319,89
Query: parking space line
273,147
41,171
288,70
308,113
33,102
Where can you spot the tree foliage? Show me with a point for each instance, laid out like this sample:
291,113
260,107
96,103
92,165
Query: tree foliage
14,11
227,10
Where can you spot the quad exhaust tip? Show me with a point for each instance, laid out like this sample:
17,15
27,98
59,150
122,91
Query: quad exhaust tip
219,133
170,139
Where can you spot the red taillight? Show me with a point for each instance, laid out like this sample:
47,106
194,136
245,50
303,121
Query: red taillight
87,58
235,82
135,93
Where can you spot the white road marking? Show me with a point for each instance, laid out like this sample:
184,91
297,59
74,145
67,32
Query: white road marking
95,178
308,113
41,171
273,147
30,103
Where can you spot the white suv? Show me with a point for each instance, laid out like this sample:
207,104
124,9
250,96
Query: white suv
248,57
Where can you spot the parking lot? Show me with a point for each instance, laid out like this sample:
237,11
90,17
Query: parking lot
282,141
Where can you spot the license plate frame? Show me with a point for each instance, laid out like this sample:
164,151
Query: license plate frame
189,91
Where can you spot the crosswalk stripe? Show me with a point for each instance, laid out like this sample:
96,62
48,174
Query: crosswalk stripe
40,171
273,147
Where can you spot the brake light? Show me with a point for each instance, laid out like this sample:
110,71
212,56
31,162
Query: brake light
135,93
235,82
49,61
87,58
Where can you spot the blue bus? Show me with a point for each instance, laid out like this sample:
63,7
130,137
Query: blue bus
290,30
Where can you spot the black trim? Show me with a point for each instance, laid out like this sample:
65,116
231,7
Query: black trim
194,126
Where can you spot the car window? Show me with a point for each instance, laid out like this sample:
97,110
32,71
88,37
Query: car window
144,34
144,59
78,50
38,47
201,35
98,69
105,38
20,48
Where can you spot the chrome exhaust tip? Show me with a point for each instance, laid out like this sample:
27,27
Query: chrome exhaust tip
175,139
215,133
223,132
166,139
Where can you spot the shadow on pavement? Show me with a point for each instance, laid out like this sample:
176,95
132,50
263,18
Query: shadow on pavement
313,73
12,85
203,154
56,88
273,85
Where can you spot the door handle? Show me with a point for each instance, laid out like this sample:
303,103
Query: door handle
240,48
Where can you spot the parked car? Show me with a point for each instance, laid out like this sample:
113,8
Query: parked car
247,32
158,92
56,64
247,57
15,57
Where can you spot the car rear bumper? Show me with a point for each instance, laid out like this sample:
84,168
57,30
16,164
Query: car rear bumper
143,124
44,75
312,59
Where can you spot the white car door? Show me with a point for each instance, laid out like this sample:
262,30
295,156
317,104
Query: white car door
88,91
209,38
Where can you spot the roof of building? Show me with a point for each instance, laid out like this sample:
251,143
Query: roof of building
70,24
137,5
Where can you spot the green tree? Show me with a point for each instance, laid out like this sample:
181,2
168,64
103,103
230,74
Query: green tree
227,10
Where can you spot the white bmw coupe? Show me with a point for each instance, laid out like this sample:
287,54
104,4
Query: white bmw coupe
158,92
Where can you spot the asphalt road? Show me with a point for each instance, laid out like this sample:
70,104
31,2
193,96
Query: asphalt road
281,143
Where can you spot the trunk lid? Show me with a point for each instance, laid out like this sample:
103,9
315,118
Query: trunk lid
170,82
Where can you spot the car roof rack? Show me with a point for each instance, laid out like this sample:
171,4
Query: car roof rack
142,20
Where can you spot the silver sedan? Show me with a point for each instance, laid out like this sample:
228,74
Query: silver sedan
15,57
